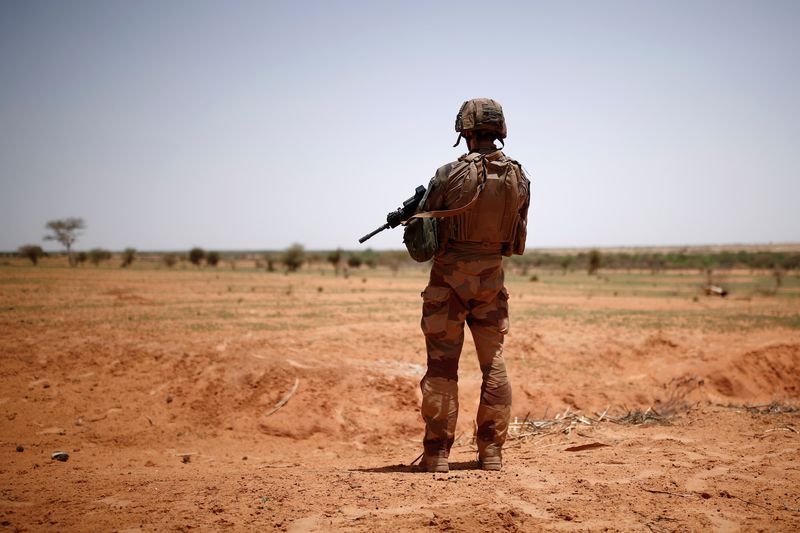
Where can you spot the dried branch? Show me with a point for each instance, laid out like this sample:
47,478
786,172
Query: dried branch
285,399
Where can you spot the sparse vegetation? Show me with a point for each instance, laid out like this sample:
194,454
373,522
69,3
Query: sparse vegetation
594,261
777,274
294,257
212,259
370,258
128,257
687,259
169,260
31,252
196,255
66,232
566,263
354,260
98,255
335,259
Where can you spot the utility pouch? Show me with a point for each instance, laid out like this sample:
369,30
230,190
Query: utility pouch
420,238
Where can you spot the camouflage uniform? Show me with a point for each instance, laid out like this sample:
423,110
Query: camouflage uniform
466,285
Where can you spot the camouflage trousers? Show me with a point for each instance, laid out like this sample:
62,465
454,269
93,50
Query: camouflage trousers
462,291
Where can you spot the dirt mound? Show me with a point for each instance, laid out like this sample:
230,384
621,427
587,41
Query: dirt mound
764,375
770,373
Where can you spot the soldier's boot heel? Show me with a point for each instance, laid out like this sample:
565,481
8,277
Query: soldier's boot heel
491,462
435,463
490,455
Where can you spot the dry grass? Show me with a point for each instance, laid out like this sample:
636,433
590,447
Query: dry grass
521,429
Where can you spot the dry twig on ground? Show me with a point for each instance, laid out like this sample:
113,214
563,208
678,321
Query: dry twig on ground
285,399
771,408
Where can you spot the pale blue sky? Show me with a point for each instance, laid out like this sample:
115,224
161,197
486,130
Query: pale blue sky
253,125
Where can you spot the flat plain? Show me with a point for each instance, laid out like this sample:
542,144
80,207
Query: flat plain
214,399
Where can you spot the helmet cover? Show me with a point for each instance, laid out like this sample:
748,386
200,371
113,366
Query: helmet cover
481,114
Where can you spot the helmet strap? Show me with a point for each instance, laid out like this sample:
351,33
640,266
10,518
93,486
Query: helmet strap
457,140
502,143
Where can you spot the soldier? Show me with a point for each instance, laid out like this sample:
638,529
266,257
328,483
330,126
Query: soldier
483,199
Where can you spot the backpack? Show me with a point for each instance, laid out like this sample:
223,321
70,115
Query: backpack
490,216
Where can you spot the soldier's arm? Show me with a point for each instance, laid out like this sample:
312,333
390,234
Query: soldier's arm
434,197
522,231
523,211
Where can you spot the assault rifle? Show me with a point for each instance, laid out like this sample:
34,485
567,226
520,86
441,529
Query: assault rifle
400,214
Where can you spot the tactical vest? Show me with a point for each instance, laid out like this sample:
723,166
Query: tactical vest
494,217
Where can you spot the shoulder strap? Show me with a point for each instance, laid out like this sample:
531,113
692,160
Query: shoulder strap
472,156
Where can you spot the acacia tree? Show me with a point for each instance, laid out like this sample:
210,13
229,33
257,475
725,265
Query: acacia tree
65,231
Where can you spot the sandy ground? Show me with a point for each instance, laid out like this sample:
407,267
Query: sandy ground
162,385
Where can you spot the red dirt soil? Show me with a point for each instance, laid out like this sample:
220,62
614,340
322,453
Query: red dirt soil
161,386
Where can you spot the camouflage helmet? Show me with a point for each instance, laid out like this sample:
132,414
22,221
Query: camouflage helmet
481,114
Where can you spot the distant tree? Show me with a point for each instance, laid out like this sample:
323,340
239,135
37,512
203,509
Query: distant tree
777,274
294,257
212,258
170,260
566,262
98,255
32,252
196,255
354,260
81,258
335,259
128,257
594,261
65,231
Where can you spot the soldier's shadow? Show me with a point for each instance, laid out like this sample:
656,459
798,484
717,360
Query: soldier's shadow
408,469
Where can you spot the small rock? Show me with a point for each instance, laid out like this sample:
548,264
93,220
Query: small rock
60,456
244,458
150,464
187,459
169,399
20,449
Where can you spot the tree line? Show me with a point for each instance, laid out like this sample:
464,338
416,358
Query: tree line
593,260
66,232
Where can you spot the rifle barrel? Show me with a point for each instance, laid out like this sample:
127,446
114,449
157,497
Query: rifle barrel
372,234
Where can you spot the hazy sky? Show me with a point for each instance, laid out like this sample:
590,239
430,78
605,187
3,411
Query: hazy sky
253,125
